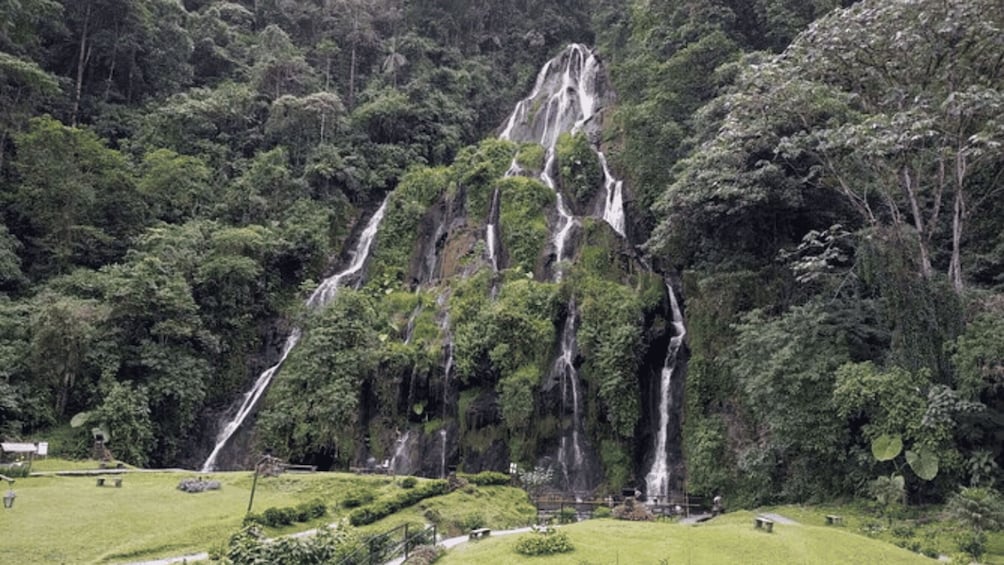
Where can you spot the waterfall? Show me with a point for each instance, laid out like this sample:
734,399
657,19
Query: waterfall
320,297
657,480
567,97
447,373
613,205
570,457
329,287
400,462
490,232
442,452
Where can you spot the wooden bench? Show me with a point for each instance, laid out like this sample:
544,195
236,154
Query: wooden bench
300,468
479,533
765,523
834,520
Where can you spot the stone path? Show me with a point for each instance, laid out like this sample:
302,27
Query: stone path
695,519
453,542
170,560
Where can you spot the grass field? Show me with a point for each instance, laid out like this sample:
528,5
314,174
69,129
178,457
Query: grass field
68,519
729,539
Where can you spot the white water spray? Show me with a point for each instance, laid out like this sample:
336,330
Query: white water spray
567,97
657,480
320,297
399,463
491,238
570,456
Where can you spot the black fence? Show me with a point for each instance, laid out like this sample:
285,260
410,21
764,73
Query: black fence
560,509
396,542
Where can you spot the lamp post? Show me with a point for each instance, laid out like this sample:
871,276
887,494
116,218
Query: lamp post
8,499
254,482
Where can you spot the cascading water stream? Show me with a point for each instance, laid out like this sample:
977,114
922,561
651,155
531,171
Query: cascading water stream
657,480
401,460
491,237
613,204
447,373
320,297
570,456
566,97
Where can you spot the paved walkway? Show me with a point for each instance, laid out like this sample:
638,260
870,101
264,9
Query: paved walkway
695,518
204,556
453,542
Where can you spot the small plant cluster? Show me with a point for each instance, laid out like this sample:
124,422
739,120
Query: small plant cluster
409,482
275,517
631,511
487,478
568,516
357,498
249,546
602,512
372,512
546,541
198,485
424,555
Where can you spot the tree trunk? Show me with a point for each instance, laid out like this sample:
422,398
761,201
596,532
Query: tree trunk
955,266
82,58
918,222
352,77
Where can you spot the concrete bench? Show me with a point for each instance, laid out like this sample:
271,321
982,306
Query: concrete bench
834,520
479,533
761,522
117,480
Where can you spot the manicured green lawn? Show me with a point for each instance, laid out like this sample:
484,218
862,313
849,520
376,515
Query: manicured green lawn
728,539
71,520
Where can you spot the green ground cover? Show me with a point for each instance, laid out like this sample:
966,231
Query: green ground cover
68,519
727,540
919,528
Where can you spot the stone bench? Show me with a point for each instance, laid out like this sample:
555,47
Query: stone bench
834,520
479,533
761,522
117,480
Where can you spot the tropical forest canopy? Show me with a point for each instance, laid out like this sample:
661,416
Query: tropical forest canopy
825,178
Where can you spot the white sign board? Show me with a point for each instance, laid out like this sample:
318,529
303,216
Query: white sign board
43,448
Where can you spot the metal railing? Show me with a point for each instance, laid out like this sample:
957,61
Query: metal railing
380,548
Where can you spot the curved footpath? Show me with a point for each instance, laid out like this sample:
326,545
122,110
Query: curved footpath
446,543
453,542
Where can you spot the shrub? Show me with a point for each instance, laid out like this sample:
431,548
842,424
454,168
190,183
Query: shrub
602,512
545,542
198,485
275,517
357,498
488,478
567,516
631,511
424,555
903,531
409,482
373,512
973,544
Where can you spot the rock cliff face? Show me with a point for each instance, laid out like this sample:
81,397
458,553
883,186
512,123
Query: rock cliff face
524,325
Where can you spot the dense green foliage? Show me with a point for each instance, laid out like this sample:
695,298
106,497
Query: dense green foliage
824,193
824,177
172,172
